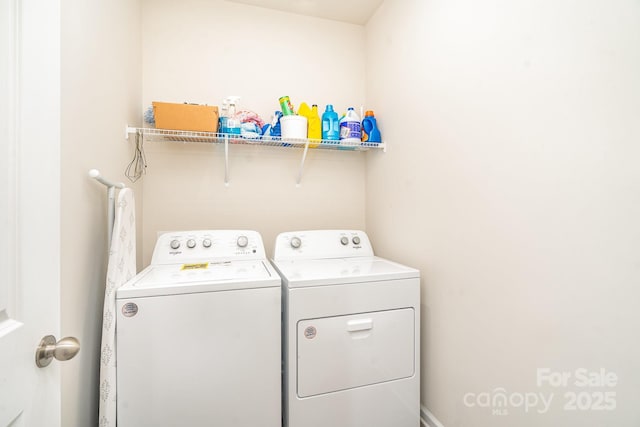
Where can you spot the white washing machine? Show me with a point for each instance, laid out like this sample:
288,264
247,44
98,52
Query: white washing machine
198,334
351,333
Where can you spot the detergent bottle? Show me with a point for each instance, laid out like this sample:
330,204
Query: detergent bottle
222,121
350,127
330,124
370,131
234,126
315,127
304,110
276,129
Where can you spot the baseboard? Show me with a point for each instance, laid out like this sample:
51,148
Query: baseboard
427,419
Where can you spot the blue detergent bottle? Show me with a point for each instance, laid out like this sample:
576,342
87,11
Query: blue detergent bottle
370,131
330,124
276,130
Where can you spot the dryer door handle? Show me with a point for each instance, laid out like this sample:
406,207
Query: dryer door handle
359,325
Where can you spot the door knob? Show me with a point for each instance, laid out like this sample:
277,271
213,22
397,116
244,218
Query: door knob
62,350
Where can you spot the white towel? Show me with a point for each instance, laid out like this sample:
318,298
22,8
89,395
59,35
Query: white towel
122,267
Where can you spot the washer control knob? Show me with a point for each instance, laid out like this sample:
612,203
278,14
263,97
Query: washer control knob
191,243
356,240
296,242
206,243
242,241
344,240
175,244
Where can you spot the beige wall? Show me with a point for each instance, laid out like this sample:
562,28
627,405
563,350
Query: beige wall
202,51
101,89
512,182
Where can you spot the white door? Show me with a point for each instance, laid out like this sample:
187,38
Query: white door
29,209
345,352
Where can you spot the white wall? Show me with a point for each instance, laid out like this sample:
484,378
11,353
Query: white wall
202,51
512,182
101,89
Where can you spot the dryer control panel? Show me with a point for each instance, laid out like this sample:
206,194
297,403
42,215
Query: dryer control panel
320,244
207,245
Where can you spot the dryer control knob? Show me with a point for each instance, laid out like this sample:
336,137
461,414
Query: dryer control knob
344,240
191,243
296,242
175,244
206,243
242,241
356,240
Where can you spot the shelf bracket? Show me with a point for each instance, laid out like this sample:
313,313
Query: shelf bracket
304,157
128,130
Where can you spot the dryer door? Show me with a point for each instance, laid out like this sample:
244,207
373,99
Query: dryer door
345,352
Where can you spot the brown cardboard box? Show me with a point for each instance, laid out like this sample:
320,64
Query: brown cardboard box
202,118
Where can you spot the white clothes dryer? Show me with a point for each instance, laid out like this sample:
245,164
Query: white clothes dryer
351,333
198,334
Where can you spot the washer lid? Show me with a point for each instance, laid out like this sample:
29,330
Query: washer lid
174,279
320,272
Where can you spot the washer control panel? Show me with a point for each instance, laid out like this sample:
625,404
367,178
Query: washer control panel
319,244
207,245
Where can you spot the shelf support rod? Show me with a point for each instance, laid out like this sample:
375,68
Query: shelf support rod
111,200
304,157
226,161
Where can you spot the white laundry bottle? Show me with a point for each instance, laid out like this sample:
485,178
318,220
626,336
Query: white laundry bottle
350,130
233,123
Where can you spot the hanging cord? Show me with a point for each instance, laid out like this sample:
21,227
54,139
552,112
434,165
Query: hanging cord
138,165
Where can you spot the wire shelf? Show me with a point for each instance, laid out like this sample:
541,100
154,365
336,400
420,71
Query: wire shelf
227,140
158,135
